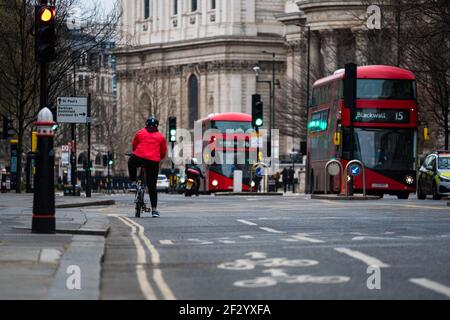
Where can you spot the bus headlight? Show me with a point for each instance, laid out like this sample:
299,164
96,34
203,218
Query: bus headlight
215,183
409,180
253,184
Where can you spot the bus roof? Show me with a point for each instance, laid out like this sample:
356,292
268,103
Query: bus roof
229,116
371,72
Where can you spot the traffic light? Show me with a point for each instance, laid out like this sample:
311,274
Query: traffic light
8,128
110,158
172,129
45,33
54,111
257,111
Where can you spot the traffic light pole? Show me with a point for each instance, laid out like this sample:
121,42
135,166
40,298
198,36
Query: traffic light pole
88,171
73,158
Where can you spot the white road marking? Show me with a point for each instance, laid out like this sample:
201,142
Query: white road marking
247,222
305,237
141,273
166,242
257,255
155,259
432,285
370,261
423,207
361,238
246,237
271,230
412,237
227,241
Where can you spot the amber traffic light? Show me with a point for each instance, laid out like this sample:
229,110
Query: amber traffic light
45,33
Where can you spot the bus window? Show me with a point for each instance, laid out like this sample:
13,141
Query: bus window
378,89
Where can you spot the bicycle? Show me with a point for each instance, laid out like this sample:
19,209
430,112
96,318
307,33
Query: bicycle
141,206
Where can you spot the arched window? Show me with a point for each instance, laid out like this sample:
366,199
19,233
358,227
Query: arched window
192,100
82,158
146,9
213,5
98,160
193,5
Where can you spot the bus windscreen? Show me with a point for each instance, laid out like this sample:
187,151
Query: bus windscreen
383,149
223,126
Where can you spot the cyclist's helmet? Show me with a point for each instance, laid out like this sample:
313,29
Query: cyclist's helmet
152,122
194,161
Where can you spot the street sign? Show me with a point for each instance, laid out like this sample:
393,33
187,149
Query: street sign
355,170
72,110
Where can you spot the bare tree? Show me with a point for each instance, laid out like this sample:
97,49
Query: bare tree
18,70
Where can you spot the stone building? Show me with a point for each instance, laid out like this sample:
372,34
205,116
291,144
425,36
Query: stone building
190,58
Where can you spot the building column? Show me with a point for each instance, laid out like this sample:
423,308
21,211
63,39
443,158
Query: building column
360,46
328,49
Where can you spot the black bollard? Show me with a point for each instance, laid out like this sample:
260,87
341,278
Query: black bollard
44,191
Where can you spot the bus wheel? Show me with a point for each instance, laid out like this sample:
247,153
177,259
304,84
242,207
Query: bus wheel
403,196
420,194
436,195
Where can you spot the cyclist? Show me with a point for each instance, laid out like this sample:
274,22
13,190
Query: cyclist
149,148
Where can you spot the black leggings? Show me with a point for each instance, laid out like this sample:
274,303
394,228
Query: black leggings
151,172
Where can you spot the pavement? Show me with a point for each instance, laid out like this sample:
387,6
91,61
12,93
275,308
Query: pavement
35,266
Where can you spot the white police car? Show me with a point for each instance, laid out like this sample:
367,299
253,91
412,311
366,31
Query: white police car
434,176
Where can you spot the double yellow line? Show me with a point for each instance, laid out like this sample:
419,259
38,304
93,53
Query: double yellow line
141,242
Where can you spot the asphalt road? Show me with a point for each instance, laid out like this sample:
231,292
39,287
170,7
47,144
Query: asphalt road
278,248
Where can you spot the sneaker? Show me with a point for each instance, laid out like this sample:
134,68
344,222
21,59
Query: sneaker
155,214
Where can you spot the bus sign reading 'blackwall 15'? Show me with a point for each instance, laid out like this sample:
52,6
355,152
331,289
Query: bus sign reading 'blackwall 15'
382,116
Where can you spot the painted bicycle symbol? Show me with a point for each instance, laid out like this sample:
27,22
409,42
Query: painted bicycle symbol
277,275
280,276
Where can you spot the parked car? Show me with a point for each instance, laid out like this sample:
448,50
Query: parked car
434,176
162,183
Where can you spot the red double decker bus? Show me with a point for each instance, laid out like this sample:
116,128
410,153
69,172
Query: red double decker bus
235,150
385,131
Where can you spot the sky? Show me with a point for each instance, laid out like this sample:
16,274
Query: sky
106,4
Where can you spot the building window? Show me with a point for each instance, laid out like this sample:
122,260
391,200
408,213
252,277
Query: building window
175,7
192,100
213,4
193,5
146,9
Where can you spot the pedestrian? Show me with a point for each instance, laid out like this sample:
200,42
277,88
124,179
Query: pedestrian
291,175
285,178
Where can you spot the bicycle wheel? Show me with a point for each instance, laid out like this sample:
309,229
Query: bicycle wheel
139,202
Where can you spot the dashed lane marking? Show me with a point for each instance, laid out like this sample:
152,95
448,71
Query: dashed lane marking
370,261
247,222
305,237
432,285
166,242
271,230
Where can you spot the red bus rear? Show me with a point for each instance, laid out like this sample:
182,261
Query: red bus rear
237,148
385,136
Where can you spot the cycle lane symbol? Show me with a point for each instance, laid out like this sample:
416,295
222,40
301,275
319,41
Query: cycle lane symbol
274,271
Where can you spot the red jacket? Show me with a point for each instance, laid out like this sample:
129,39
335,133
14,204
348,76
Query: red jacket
150,145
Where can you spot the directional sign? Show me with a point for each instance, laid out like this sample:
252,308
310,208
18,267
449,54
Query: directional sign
259,172
72,110
355,170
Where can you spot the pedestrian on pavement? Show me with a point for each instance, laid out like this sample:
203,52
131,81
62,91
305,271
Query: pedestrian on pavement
149,148
285,177
291,174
